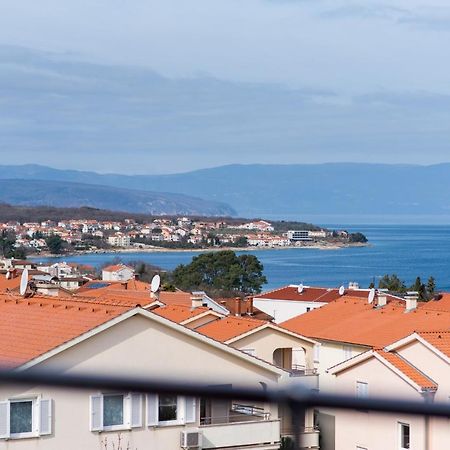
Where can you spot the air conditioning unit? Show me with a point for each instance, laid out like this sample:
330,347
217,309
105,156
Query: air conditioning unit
191,439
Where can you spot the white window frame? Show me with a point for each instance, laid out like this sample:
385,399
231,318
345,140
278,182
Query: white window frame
180,414
186,411
124,425
34,417
348,352
40,425
127,423
362,393
400,434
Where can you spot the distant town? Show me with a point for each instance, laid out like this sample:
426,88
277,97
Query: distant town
20,239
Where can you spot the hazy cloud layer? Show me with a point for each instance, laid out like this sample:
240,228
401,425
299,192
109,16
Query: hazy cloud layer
147,86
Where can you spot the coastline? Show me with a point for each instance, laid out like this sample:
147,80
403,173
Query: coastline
119,251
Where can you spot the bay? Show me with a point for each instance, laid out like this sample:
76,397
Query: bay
408,250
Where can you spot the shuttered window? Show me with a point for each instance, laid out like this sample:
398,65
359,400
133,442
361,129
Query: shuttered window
116,411
170,410
25,418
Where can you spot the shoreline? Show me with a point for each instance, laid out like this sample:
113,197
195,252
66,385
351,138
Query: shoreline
124,251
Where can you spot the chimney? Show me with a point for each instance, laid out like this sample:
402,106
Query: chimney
411,298
197,301
381,299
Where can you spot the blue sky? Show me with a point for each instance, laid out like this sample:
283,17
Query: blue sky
143,86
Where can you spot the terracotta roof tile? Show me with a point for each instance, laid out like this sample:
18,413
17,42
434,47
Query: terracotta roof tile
33,326
312,294
438,339
229,327
179,313
115,268
354,321
407,369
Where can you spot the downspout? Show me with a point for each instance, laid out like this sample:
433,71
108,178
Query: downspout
428,396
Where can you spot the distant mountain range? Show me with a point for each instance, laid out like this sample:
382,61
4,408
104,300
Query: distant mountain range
250,190
62,193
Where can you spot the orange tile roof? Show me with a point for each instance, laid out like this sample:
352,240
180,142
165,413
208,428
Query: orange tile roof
179,313
130,285
312,294
352,320
443,304
407,369
33,326
115,268
134,297
229,327
8,285
438,339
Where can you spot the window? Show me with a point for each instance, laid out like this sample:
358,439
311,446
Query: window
163,410
362,389
316,353
25,418
404,436
116,411
347,352
167,408
21,417
113,407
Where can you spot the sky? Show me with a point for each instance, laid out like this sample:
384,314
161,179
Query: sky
144,86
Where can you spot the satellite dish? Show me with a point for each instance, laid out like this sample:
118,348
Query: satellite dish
341,291
8,275
156,283
371,295
24,282
300,288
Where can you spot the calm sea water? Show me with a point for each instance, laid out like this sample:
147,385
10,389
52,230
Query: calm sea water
409,251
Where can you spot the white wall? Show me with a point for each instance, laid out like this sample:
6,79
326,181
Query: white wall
282,310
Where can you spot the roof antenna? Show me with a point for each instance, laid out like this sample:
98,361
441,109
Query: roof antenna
154,286
371,295
24,283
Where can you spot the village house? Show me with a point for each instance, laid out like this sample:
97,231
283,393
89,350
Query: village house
42,417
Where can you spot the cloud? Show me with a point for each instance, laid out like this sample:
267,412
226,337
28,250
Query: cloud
68,113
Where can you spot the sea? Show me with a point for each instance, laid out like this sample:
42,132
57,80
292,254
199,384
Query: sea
406,250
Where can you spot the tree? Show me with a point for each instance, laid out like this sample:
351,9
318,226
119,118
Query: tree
431,286
222,271
55,244
241,241
392,283
7,241
420,288
357,237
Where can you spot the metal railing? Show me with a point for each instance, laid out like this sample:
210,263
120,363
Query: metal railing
296,397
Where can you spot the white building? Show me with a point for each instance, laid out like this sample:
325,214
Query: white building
119,240
117,272
109,340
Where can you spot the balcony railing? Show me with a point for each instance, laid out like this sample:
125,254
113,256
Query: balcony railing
264,432
299,371
260,433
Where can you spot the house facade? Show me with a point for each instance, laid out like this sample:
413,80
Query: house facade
134,341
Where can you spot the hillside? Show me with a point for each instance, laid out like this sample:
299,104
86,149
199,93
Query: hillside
261,190
66,194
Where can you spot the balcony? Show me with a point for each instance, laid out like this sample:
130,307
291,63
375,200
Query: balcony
308,377
260,434
309,438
